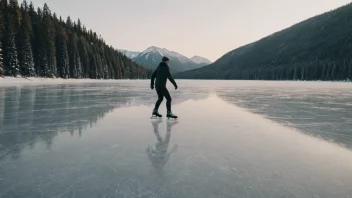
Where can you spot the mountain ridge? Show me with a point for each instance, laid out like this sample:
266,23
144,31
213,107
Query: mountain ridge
151,57
129,54
201,60
314,49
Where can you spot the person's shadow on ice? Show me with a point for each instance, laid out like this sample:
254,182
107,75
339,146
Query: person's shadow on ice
160,155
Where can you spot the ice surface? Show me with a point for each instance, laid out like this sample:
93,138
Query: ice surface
97,140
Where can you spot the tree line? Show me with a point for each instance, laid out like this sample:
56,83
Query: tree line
36,43
311,70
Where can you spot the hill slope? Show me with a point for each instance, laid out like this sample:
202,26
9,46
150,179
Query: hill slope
41,44
316,49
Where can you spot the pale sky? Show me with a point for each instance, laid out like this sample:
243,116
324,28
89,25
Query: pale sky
208,28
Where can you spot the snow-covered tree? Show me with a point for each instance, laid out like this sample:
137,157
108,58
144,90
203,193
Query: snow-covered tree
1,62
49,37
79,65
44,67
2,23
2,32
65,61
25,50
62,55
26,55
99,66
12,58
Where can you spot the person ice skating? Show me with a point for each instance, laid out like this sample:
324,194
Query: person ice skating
160,75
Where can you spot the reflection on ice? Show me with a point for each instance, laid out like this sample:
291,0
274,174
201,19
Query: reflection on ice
321,109
160,155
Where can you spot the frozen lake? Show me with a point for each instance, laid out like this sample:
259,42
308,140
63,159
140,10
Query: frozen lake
233,139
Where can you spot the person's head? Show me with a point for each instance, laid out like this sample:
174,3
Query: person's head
165,59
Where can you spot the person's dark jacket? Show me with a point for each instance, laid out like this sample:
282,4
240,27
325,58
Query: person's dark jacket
160,75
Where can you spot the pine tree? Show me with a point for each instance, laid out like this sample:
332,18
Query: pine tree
79,27
49,37
69,22
2,23
82,48
41,47
35,36
62,54
78,64
3,4
2,31
11,63
1,62
77,57
25,50
15,11
72,55
66,59
26,18
26,55
12,58
99,66
350,71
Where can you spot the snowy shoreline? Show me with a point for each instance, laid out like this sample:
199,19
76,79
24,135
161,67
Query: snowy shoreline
14,81
10,81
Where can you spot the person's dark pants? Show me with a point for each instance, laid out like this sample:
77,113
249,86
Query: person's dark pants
163,92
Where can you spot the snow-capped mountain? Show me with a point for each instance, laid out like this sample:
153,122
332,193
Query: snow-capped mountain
200,60
129,54
151,57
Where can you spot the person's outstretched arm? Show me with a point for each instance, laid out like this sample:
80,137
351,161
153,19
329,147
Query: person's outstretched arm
169,76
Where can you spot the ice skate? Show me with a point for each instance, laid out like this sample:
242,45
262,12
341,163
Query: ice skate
171,115
156,114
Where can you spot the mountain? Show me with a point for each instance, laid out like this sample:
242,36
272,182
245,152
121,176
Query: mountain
315,49
129,54
151,57
200,60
